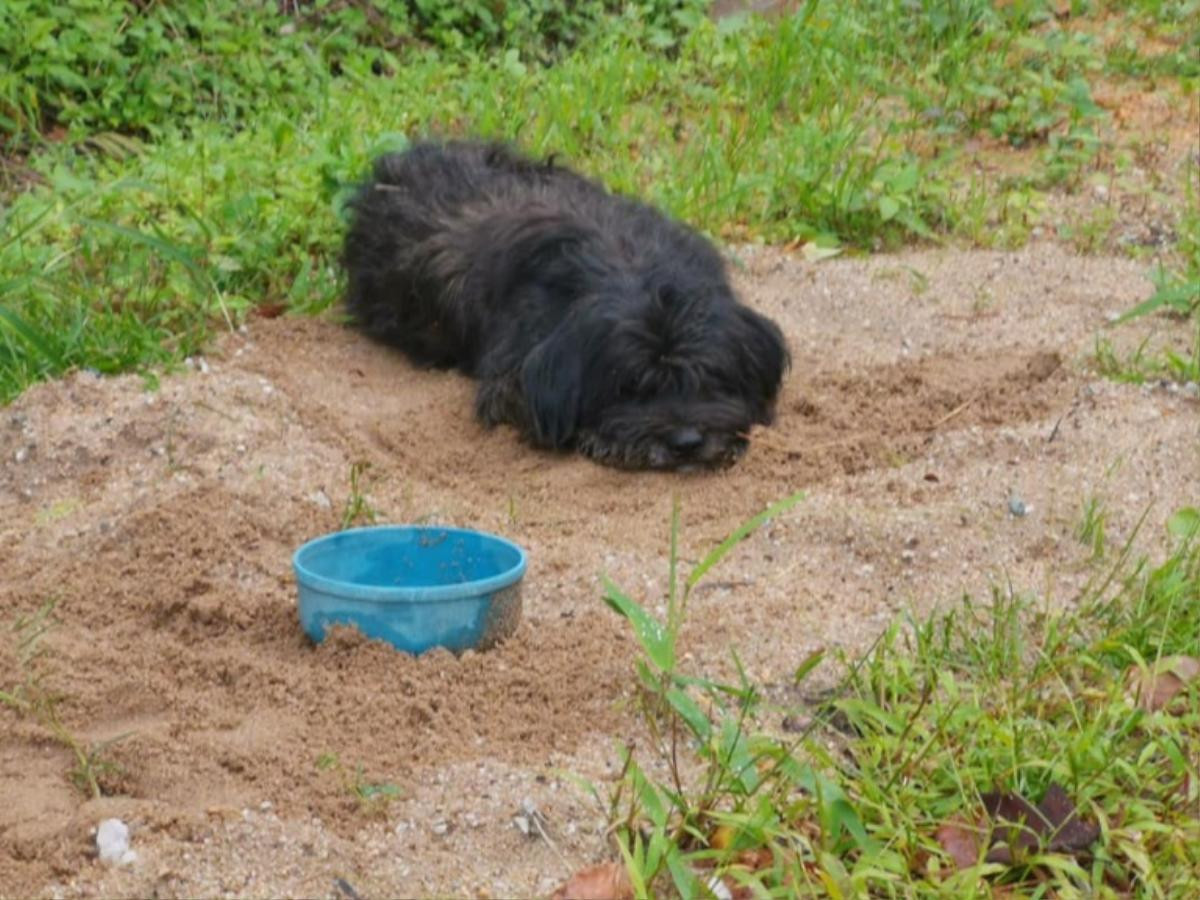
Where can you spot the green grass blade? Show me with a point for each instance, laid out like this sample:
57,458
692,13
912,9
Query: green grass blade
1184,523
166,249
744,530
35,338
691,714
655,640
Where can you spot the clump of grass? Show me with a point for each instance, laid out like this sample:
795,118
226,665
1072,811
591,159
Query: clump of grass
358,509
1004,698
370,798
1176,299
1092,529
32,696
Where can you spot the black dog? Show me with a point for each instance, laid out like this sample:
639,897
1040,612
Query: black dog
591,320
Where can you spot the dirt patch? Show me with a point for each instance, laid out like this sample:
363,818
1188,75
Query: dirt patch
853,422
927,391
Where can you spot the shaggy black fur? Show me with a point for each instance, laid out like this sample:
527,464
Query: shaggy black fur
591,320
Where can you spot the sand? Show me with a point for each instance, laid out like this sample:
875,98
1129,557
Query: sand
927,391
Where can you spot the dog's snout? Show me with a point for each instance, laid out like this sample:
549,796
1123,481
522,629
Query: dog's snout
685,440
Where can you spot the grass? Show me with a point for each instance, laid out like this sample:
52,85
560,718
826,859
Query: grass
946,722
1092,529
369,798
841,126
33,697
358,509
1177,297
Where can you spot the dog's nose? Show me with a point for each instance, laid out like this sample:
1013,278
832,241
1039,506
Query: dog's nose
685,440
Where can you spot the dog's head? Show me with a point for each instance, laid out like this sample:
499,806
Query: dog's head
655,377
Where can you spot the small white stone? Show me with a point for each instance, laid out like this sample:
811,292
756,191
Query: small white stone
112,843
718,889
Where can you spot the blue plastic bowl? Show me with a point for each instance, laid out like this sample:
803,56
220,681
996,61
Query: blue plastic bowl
414,586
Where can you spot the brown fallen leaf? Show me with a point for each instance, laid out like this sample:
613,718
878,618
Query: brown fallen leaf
1053,825
960,840
1015,820
606,881
1156,687
270,310
1071,834
722,837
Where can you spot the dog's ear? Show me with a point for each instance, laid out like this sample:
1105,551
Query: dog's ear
764,358
552,381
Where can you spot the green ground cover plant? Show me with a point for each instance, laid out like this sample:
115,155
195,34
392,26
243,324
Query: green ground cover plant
1006,745
200,153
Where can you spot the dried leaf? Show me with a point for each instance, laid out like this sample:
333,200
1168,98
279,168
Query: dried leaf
1155,688
1071,834
270,310
722,837
814,254
1001,854
1057,806
606,881
1053,824
1016,819
960,840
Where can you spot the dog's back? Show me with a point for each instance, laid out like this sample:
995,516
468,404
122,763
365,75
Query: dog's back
443,232
406,253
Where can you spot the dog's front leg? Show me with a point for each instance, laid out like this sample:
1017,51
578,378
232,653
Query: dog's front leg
499,400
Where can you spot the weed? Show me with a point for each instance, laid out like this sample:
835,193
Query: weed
666,828
1176,297
1091,529
371,798
358,509
998,699
33,696
1091,233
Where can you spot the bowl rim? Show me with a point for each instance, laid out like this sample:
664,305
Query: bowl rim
409,594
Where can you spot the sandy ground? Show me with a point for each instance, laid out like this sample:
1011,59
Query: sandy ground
927,390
